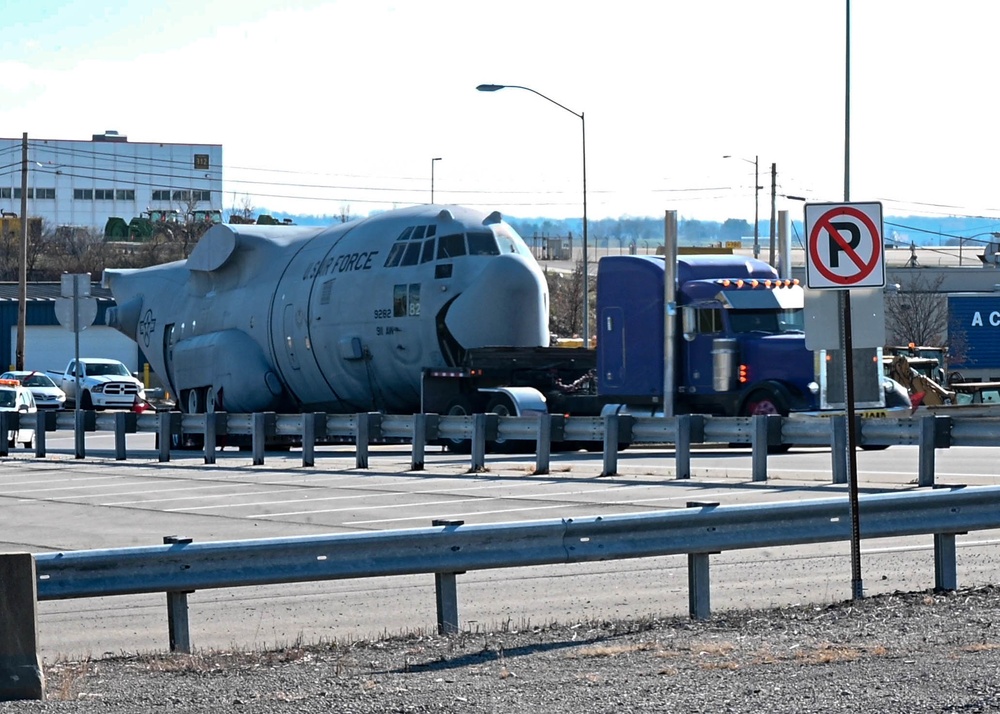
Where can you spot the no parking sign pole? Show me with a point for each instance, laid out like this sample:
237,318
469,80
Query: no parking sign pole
844,251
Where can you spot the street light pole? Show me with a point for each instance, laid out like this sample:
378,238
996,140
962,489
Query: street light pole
436,158
583,132
756,200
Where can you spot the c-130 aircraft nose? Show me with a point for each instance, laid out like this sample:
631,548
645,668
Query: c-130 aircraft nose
507,304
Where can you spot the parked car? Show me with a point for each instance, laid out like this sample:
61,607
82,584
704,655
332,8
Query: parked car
46,393
18,400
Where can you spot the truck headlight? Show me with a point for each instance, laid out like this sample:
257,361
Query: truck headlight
813,387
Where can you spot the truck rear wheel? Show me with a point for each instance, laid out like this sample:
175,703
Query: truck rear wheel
502,406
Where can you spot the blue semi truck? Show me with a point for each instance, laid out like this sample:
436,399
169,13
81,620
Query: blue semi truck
736,347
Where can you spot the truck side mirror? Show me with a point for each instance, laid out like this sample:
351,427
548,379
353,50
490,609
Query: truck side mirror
689,323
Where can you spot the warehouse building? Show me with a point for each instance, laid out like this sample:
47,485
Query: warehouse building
83,183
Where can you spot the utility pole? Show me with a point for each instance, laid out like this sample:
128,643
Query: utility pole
774,195
22,280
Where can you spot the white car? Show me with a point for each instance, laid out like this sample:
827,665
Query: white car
18,400
46,393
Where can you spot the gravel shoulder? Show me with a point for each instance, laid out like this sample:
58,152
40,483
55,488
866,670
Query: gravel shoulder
905,652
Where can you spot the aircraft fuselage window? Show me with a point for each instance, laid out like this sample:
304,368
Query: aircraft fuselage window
428,254
451,246
406,300
483,243
412,255
399,300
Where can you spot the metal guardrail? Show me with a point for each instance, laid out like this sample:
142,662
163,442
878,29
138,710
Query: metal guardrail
480,432
447,549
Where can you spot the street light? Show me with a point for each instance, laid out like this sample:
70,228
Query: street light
756,200
583,128
436,158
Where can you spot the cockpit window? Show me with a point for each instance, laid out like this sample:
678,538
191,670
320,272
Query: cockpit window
395,253
431,231
507,245
418,233
406,233
451,246
483,243
428,254
412,255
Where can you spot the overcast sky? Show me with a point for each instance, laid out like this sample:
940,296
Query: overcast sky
330,105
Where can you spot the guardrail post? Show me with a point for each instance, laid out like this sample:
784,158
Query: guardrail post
838,447
925,458
418,442
361,437
211,437
41,426
120,454
170,423
478,442
79,441
611,425
699,587
758,442
543,444
5,425
258,430
682,446
177,610
310,425
945,562
21,675
446,592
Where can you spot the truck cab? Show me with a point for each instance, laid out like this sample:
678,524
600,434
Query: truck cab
739,347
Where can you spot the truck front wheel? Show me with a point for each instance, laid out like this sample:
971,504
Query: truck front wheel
86,401
764,402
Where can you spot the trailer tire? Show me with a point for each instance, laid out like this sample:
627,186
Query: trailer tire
502,406
460,406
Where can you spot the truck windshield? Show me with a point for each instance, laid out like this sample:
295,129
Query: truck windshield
111,369
771,322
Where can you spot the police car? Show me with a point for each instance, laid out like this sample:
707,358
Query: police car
18,400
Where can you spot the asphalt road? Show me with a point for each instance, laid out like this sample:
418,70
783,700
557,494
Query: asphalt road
62,503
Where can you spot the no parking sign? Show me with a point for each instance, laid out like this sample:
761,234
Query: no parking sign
844,246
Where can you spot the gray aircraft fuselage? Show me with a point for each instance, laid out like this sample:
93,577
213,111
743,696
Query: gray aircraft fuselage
338,319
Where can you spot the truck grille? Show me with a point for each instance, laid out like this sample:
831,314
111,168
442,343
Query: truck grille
120,388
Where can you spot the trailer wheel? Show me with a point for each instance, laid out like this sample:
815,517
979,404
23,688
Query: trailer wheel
501,405
460,406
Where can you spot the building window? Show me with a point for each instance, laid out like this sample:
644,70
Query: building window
161,195
83,194
5,193
104,194
201,196
46,193
17,193
125,194
201,162
182,195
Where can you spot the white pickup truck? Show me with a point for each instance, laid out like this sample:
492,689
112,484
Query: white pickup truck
104,383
